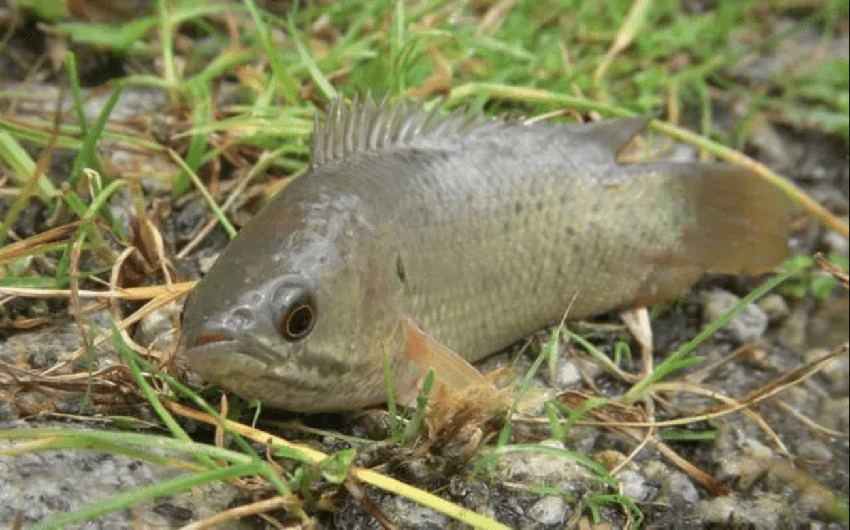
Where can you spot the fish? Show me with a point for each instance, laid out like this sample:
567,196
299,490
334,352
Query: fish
429,239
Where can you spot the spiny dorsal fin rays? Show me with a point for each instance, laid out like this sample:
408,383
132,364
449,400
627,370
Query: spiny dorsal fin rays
358,127
348,126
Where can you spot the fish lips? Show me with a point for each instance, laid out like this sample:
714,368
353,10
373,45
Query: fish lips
239,366
228,360
224,359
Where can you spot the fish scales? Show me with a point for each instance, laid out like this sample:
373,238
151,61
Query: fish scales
519,238
480,232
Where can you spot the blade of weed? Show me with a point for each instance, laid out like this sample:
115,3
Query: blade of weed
316,74
39,172
584,460
202,117
34,131
634,23
166,41
70,62
421,404
220,215
93,133
223,63
593,502
398,39
523,386
678,359
595,353
160,489
119,38
99,438
288,85
166,417
23,166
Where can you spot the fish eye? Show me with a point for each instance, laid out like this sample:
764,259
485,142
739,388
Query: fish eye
298,322
298,310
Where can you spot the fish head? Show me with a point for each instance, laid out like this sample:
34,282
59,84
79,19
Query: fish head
299,308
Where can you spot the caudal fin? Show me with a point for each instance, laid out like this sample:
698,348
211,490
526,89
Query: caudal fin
738,224
742,221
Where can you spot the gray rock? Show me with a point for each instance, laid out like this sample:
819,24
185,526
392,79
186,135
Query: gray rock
836,242
566,373
156,330
681,489
793,330
815,451
835,414
549,510
635,486
408,514
772,149
205,263
774,306
676,486
836,371
748,325
765,512
531,468
41,485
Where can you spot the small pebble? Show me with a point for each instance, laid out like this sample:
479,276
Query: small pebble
156,329
793,331
549,510
835,414
772,149
205,263
774,306
635,486
765,512
567,373
409,514
676,486
680,489
748,325
544,469
835,242
755,449
814,451
836,371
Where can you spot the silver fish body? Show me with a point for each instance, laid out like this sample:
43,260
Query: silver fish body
481,233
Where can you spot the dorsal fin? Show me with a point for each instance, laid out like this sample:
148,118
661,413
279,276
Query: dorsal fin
349,129
612,134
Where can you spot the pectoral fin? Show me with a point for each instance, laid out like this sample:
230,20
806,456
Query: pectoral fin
422,352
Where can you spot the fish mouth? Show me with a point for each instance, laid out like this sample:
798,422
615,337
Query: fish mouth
252,370
223,359
236,362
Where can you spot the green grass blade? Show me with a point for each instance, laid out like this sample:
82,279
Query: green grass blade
93,135
677,360
160,489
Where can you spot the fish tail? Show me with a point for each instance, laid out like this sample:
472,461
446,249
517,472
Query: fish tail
739,223
742,221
